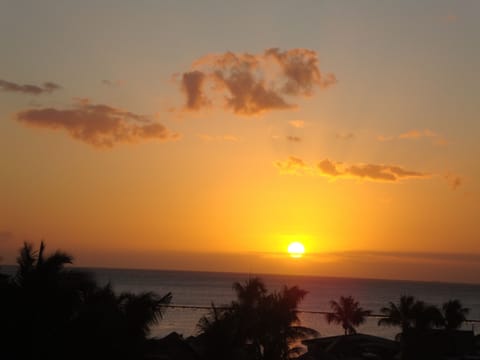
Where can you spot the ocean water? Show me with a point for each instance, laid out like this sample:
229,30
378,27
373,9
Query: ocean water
202,288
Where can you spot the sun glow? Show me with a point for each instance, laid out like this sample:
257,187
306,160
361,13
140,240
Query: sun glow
296,249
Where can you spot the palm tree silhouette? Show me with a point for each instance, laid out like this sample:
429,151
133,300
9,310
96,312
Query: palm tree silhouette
410,313
44,297
280,326
401,314
267,323
53,312
348,313
454,314
426,316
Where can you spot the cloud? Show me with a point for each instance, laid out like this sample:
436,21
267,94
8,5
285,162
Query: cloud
408,256
344,136
382,172
331,169
294,166
47,87
253,83
218,138
300,67
299,124
192,86
6,236
328,167
383,138
98,125
415,134
453,180
111,83
294,138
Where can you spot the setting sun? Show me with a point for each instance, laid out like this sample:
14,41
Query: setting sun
296,249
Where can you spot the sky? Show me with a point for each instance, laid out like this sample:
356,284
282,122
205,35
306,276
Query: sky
208,135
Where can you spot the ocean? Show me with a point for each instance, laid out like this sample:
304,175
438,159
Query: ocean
198,289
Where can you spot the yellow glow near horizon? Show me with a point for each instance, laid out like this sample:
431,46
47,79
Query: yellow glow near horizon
296,249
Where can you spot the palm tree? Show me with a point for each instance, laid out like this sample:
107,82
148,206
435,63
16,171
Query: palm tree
426,316
348,313
400,314
266,323
48,296
454,314
142,311
410,313
55,312
280,326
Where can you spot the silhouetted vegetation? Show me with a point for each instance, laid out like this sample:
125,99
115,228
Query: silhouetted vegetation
454,314
348,313
49,311
258,325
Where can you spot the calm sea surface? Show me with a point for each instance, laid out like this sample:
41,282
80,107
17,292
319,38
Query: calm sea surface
202,288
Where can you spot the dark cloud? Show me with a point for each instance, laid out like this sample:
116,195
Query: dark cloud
294,138
382,172
453,180
99,125
301,71
47,87
192,86
328,168
254,83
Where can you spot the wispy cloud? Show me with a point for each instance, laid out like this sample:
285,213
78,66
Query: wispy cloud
436,257
332,169
294,138
299,124
416,134
449,18
253,83
112,83
218,138
345,136
46,87
98,125
455,181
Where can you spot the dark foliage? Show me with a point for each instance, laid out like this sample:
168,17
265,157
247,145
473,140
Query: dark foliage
258,325
348,313
49,311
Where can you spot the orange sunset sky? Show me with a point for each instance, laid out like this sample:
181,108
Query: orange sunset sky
208,135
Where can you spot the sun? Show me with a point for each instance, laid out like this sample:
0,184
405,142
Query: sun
296,249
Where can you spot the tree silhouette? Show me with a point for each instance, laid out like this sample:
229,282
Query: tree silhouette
46,299
280,326
401,314
259,324
426,316
410,313
454,314
49,311
348,313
